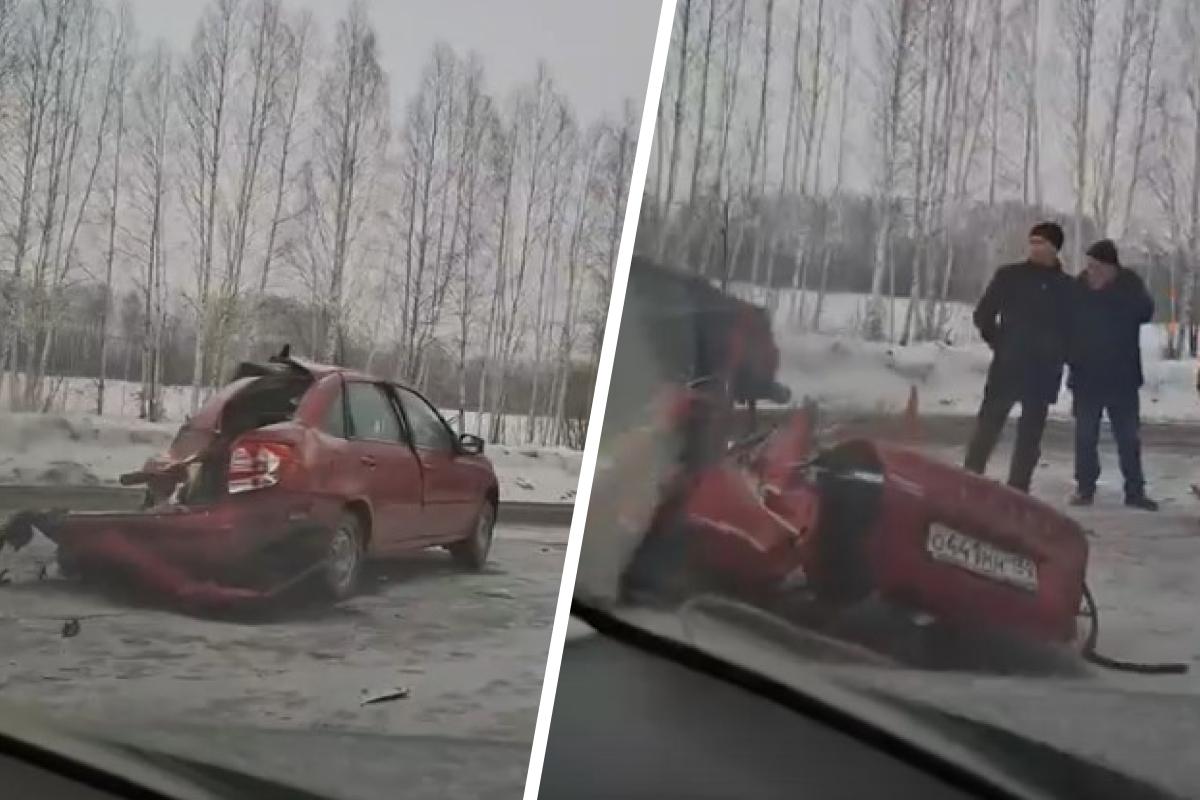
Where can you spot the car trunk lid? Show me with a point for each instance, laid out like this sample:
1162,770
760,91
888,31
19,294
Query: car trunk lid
259,395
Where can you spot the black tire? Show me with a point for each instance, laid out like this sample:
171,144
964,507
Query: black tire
69,566
472,552
345,552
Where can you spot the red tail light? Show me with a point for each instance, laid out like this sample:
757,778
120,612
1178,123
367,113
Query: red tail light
257,465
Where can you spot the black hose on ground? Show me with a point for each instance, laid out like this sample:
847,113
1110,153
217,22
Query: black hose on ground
1090,655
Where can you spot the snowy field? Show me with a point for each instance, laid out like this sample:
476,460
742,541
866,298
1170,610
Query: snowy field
81,450
77,396
840,370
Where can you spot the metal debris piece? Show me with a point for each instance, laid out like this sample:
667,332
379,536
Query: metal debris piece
70,628
399,693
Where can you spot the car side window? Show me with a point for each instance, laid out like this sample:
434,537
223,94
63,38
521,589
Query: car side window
372,415
428,428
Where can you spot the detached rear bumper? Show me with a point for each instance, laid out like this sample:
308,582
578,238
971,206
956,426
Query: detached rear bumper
243,548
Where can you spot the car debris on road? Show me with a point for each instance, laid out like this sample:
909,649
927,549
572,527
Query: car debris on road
399,693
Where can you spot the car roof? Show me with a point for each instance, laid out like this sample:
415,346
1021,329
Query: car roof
319,371
315,370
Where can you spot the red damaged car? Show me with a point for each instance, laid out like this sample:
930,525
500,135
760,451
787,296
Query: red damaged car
293,471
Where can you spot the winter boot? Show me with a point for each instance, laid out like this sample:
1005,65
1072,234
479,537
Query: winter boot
1082,498
1141,502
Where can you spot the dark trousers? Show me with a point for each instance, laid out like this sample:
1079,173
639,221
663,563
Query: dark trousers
1123,411
993,413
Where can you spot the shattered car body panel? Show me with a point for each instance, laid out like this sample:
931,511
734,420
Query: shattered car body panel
852,523
255,485
919,492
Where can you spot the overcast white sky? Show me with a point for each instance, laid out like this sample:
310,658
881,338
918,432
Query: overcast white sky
598,50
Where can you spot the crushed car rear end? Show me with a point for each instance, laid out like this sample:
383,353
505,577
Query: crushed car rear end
239,499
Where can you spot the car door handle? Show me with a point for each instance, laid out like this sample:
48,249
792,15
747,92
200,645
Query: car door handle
368,461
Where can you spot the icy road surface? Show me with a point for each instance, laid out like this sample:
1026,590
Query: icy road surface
469,649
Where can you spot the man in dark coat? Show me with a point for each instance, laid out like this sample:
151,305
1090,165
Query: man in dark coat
1109,307
1023,316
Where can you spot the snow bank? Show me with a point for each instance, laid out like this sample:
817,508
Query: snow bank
79,450
77,396
76,450
863,376
536,475
838,369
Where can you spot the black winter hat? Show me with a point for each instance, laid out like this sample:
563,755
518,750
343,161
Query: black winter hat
1105,252
1052,232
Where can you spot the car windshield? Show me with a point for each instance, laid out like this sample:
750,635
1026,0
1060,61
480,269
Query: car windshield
905,465
855,540
301,305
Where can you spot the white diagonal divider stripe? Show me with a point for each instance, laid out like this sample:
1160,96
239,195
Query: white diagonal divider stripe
637,185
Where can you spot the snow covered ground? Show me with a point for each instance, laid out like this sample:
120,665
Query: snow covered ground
468,647
840,370
81,450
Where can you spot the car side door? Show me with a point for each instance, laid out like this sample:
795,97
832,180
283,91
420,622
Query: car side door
452,487
381,448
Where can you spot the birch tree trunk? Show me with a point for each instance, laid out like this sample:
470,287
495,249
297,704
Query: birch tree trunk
549,259
206,80
1103,205
895,50
39,46
1150,41
351,137
758,155
676,127
118,79
295,60
1080,18
702,113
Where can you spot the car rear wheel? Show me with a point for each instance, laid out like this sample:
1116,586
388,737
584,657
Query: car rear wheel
472,552
69,565
343,558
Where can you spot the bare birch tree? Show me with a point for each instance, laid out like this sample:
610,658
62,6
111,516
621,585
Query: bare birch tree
895,27
1147,45
1107,162
151,131
205,82
39,43
1079,18
286,104
540,125
120,66
478,126
685,9
265,45
77,122
349,142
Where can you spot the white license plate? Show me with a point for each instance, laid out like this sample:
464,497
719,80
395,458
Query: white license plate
981,558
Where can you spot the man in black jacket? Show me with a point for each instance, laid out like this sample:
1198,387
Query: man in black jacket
1023,316
1110,306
